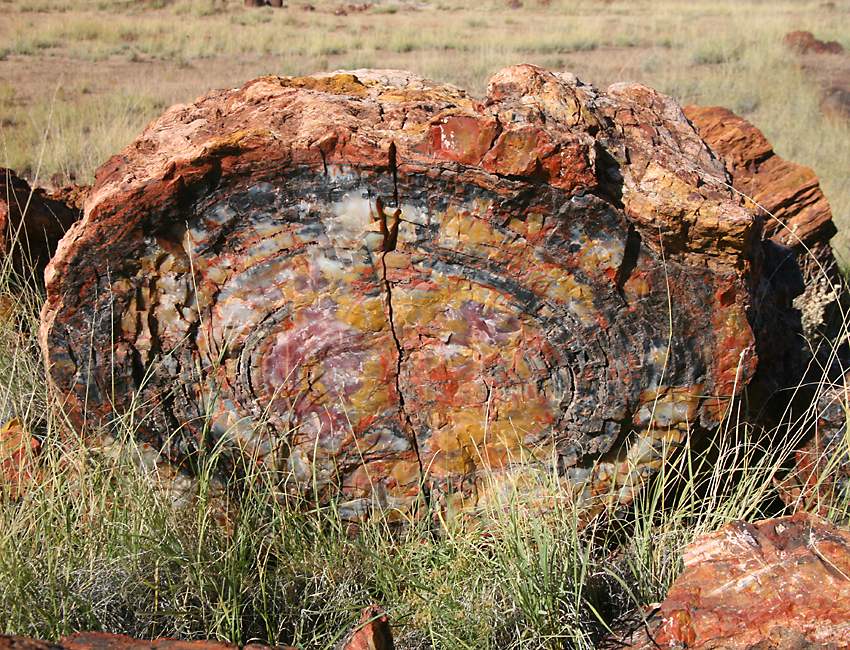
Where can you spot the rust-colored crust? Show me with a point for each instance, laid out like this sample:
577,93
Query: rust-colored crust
787,194
33,220
777,583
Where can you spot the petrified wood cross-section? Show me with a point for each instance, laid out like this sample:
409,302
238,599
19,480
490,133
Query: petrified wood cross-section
382,286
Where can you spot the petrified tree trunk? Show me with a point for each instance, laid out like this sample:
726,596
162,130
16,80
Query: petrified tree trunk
387,289
797,213
32,222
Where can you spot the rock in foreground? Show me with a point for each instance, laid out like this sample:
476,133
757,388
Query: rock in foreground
391,291
371,633
779,584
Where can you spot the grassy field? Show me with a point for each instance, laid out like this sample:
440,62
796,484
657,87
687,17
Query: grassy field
80,78
100,542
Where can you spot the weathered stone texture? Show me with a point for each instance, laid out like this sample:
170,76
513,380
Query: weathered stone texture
107,641
798,310
800,321
795,210
372,632
388,289
32,221
9,642
778,584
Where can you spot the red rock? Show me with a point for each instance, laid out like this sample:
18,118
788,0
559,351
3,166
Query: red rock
73,195
830,73
371,633
391,291
106,641
795,209
805,43
806,287
31,222
779,583
8,642
17,451
805,282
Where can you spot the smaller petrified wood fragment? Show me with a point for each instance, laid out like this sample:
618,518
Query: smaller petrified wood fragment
372,632
31,222
801,310
107,641
795,210
389,290
17,459
799,305
780,583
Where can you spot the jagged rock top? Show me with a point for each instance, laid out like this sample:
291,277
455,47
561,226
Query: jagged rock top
533,124
796,212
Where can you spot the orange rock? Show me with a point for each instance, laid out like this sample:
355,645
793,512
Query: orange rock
805,282
805,42
17,466
106,641
371,633
795,210
8,642
393,292
776,584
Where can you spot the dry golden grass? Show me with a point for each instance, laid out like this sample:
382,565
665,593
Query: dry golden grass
107,548
82,77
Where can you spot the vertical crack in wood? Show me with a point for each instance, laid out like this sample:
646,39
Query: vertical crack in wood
405,416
